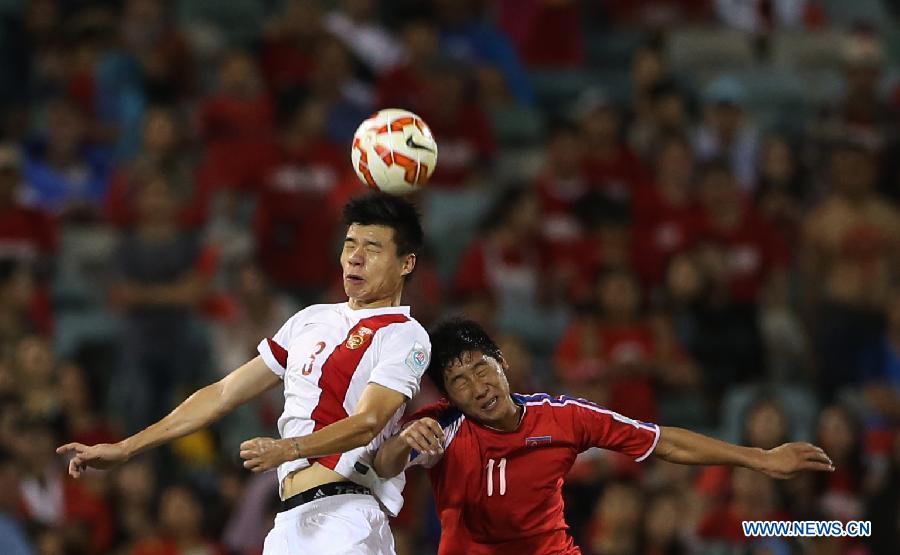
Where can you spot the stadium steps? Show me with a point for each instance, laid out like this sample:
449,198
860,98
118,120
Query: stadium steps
239,21
808,51
851,13
611,48
516,126
703,50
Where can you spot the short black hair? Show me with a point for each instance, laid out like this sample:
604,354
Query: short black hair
451,339
390,211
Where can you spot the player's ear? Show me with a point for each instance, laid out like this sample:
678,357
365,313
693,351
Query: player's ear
503,364
408,265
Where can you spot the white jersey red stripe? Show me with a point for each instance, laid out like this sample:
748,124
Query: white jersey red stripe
338,371
327,355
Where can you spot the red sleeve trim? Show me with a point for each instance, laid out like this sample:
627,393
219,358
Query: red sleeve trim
279,352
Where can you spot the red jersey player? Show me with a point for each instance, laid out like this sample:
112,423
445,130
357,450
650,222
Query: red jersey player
497,460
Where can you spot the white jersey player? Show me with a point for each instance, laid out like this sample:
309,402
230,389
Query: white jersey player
348,370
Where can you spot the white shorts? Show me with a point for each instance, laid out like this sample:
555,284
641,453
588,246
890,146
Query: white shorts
336,525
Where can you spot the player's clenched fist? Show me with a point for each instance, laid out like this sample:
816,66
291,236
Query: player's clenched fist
265,453
424,435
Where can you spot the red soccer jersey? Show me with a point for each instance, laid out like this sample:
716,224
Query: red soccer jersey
501,492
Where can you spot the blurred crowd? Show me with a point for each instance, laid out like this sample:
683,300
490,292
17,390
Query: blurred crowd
685,210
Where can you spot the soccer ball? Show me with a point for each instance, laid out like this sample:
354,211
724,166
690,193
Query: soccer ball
393,151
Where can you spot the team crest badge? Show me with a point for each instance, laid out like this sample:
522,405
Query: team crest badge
357,338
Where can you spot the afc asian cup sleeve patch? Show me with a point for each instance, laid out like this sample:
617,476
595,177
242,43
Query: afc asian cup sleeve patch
417,359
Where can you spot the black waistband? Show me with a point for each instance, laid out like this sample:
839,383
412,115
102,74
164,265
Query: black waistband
325,490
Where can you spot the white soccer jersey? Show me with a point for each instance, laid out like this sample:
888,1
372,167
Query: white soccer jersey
326,355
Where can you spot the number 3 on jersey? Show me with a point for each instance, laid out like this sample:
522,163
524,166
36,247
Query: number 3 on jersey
490,476
308,367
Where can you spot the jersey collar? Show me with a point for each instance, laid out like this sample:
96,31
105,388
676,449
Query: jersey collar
366,312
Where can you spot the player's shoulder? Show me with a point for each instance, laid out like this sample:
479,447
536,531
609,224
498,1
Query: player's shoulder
314,311
442,411
546,402
408,330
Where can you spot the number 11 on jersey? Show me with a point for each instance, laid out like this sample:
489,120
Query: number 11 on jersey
490,476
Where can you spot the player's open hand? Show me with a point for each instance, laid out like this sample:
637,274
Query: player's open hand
101,456
265,453
788,459
424,435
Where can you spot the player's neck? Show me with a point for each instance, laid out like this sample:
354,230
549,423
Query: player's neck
511,421
359,304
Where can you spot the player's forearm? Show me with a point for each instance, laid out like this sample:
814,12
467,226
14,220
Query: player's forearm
342,436
199,410
392,457
682,446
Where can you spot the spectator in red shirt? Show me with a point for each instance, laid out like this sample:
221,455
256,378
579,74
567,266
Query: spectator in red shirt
80,407
236,122
841,492
502,251
289,45
562,184
648,71
666,214
604,240
25,231
611,166
661,113
165,149
862,109
765,426
613,355
180,527
504,264
49,498
752,496
616,523
754,252
782,189
407,84
459,124
37,378
546,34
24,307
133,492
664,519
300,191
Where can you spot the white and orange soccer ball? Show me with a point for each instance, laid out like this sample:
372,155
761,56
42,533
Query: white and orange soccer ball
394,151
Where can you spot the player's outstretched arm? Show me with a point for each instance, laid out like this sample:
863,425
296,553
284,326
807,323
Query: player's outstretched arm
203,407
375,408
682,446
424,435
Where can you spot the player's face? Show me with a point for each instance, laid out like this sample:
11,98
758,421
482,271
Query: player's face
373,272
477,385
